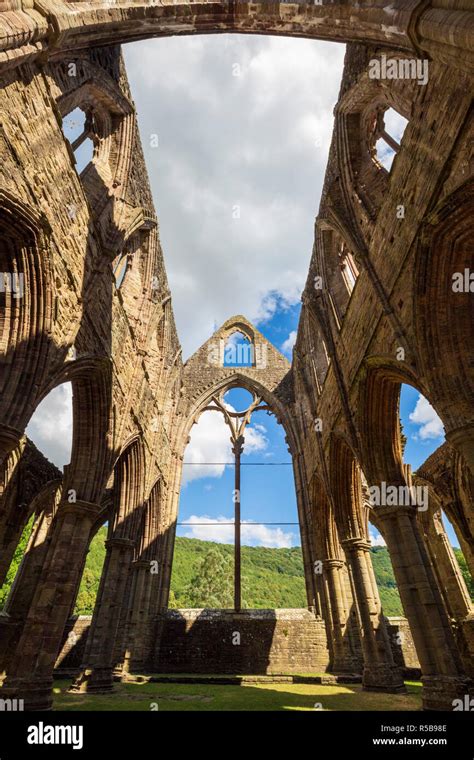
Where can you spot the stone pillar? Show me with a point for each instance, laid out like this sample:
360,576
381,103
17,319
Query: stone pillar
11,529
12,444
100,656
98,670
446,568
342,659
463,440
30,675
144,591
451,584
467,548
167,565
29,573
168,530
443,676
145,584
380,672
306,532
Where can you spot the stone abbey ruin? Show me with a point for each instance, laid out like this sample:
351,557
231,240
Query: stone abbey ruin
388,301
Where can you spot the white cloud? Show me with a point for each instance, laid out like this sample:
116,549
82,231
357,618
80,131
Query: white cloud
258,141
425,416
287,345
376,539
395,124
50,427
210,442
255,439
221,530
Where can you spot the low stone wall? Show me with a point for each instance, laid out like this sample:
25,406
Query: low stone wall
403,646
253,641
74,642
271,642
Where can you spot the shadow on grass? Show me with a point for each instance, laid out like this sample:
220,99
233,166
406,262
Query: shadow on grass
211,697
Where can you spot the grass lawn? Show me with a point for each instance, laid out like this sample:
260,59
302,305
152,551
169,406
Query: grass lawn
209,697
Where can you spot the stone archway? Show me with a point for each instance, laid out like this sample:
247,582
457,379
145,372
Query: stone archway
96,23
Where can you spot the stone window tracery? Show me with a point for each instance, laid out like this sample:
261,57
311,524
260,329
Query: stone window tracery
239,350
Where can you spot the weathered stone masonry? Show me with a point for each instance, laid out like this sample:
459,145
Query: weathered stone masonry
401,234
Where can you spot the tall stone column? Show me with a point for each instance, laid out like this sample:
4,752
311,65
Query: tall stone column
98,670
380,672
11,530
167,531
167,565
451,584
443,676
307,532
446,568
342,660
30,674
26,582
105,639
12,445
145,580
140,628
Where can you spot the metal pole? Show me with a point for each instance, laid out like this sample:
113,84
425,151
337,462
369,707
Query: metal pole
237,553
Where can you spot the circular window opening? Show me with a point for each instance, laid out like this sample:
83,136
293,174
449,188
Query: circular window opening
239,399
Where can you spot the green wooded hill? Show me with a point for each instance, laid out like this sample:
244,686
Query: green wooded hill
202,576
270,577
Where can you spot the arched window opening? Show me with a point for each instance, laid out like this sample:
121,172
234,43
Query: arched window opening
18,555
24,552
388,132
422,434
203,558
80,130
47,451
452,534
384,575
348,266
77,627
421,429
119,267
239,351
272,559
89,585
248,464
50,427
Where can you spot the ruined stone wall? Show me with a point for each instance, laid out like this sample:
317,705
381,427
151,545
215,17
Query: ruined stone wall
117,345
282,641
384,308
271,641
403,646
200,641
407,231
86,223
73,645
357,344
